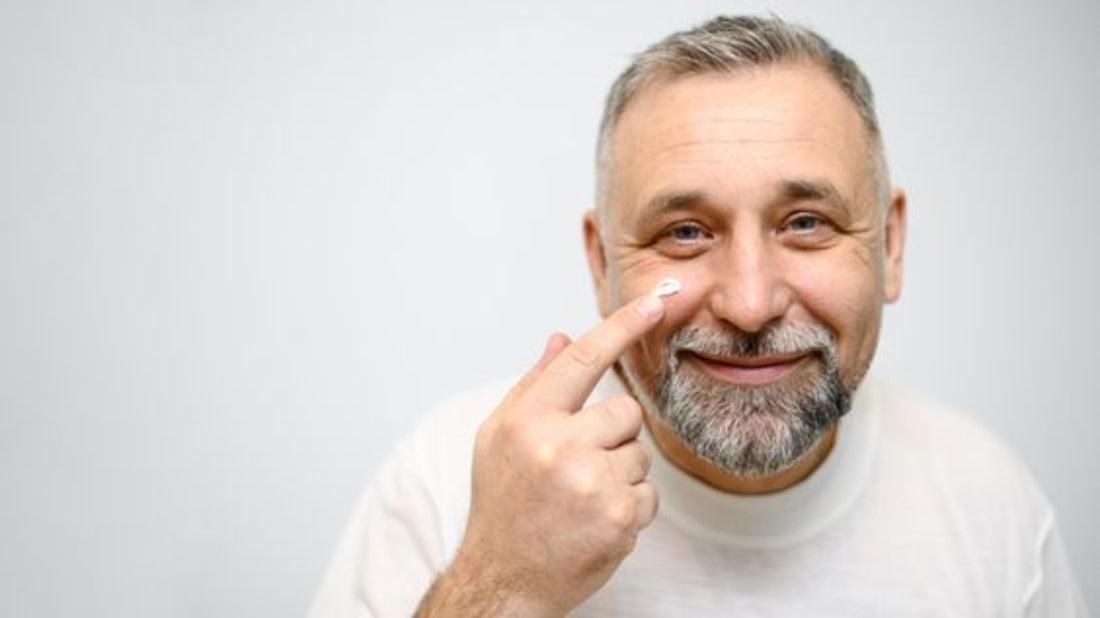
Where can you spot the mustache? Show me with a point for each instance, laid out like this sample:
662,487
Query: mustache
773,340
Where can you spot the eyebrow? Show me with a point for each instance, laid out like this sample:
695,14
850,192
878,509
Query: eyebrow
790,190
797,190
671,201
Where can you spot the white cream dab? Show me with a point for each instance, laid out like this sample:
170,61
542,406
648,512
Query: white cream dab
667,287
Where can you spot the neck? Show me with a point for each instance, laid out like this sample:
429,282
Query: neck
679,454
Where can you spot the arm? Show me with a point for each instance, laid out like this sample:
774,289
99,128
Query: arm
468,590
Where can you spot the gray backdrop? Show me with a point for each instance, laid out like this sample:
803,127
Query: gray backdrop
236,239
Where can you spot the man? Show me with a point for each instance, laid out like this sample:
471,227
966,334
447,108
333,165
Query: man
743,160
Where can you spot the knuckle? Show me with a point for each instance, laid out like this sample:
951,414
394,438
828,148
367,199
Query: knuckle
621,410
583,354
609,413
630,407
545,458
510,428
620,515
618,327
636,458
583,484
649,501
645,458
525,435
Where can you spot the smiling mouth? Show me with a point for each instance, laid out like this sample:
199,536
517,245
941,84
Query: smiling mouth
753,371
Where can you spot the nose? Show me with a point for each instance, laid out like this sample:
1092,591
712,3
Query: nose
750,290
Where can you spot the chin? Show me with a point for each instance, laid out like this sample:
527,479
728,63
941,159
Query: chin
750,430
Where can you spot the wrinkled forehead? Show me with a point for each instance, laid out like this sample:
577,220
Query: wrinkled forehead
727,133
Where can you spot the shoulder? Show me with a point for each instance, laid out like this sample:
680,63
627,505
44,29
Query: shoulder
948,450
441,443
433,462
941,434
967,486
454,421
409,521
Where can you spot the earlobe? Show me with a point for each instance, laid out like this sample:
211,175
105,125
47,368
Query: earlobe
894,244
597,261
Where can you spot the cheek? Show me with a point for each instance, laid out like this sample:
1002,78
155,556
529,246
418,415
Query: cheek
631,278
846,296
694,278
645,357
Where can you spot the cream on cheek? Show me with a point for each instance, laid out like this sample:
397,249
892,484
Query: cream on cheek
680,308
643,277
645,357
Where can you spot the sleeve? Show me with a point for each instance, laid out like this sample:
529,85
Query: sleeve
1054,592
393,548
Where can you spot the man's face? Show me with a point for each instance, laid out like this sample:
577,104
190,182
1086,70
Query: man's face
757,192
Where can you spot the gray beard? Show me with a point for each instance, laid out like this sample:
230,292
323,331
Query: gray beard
749,430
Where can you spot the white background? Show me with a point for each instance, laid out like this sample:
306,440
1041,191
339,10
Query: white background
237,241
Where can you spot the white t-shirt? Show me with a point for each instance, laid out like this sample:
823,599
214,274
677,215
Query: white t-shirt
916,511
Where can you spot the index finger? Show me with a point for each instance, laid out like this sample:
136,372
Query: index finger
569,379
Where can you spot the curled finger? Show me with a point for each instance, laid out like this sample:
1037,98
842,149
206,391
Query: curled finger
610,422
630,462
645,496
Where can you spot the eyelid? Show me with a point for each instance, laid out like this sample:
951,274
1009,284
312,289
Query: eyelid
666,243
807,213
698,235
691,223
811,215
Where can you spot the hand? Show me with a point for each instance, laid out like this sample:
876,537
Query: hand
559,491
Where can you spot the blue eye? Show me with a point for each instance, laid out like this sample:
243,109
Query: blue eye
684,239
808,230
804,223
686,233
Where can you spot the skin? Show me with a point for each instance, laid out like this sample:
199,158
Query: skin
559,490
749,250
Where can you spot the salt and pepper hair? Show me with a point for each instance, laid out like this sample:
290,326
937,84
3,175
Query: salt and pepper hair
729,45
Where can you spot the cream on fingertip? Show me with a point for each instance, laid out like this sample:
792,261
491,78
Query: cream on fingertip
651,305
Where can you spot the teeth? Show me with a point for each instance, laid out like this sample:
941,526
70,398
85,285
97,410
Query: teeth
667,287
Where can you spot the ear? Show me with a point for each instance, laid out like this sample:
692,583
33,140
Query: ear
597,262
894,243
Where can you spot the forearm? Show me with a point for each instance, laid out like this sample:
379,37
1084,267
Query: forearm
466,591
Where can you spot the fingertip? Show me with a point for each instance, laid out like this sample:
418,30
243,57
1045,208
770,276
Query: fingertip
558,341
650,306
555,343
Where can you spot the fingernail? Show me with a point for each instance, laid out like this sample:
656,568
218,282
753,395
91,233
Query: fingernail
650,305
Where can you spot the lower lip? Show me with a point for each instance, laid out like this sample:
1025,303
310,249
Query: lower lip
743,374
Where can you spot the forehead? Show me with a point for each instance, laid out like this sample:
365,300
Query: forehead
735,134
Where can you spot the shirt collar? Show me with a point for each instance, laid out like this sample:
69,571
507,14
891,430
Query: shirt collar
776,519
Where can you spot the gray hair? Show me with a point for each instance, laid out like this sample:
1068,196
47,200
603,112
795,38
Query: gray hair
729,44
